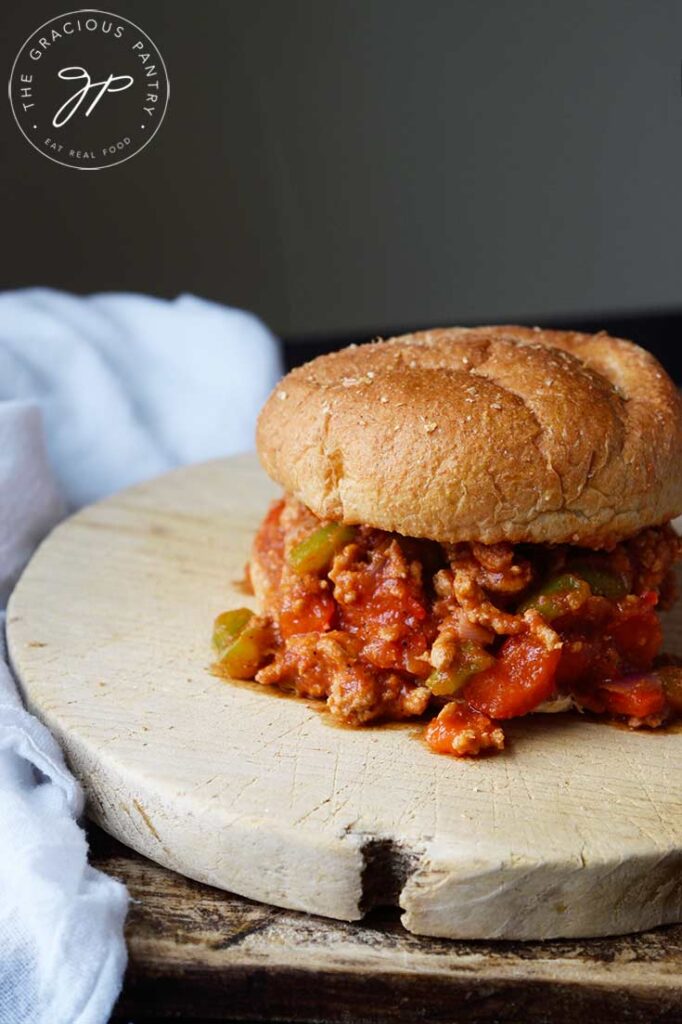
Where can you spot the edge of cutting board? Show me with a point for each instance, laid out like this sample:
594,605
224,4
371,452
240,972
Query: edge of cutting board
575,830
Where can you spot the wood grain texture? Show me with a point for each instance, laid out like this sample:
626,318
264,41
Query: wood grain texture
198,954
575,830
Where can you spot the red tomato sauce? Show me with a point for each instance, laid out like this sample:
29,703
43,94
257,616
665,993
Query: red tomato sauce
469,634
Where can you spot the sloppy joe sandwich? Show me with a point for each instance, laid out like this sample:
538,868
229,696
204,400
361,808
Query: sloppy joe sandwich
475,526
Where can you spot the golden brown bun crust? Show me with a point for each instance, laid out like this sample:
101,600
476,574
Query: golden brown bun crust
487,434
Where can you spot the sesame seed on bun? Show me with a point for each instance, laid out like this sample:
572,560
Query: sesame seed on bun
486,434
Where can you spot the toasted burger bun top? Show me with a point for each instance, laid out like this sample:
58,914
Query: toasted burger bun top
488,434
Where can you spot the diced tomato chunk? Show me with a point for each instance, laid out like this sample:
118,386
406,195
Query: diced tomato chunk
638,636
578,656
522,678
463,731
309,613
586,659
387,611
634,697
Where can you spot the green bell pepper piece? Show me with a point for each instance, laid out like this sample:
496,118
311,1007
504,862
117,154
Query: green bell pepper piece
603,582
245,655
472,660
548,599
228,626
316,552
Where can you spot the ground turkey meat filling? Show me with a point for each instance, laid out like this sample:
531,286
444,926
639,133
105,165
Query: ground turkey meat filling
388,627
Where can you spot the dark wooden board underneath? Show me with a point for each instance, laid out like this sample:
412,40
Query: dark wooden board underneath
198,954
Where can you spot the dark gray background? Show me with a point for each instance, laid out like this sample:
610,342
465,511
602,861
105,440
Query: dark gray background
349,165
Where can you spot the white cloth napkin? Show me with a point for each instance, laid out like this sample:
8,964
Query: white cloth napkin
124,387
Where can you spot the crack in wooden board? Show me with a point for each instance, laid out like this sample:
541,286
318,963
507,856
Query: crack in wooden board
199,953
108,633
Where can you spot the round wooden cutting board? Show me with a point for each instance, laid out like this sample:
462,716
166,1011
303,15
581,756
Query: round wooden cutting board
575,830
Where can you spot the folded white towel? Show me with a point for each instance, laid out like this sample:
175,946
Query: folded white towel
126,387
